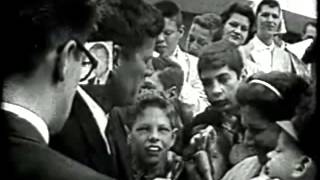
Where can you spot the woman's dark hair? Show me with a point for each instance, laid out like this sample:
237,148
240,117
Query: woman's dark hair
244,10
295,95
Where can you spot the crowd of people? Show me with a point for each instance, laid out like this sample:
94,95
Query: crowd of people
103,90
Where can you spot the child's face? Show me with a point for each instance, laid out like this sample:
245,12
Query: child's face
284,159
211,145
219,163
151,136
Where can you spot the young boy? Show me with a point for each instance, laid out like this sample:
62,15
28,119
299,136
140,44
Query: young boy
152,134
288,161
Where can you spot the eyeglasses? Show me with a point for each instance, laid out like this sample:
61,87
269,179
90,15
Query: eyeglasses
87,66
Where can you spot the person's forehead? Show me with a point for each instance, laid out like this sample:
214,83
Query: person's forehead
197,30
153,115
239,18
311,28
170,23
215,72
267,9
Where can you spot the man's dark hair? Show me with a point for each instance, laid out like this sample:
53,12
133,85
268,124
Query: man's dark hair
41,25
171,10
128,23
270,3
170,74
220,54
244,10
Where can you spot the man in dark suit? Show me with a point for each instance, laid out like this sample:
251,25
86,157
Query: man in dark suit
40,83
88,136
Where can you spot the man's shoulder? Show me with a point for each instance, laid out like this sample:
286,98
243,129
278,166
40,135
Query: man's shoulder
45,163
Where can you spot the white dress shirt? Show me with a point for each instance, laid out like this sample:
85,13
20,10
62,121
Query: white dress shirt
29,116
99,115
262,54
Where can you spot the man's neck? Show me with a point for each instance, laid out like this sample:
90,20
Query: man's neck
29,97
266,39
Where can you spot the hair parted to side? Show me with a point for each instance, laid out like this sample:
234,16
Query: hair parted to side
41,25
170,74
270,3
295,91
171,10
210,21
155,99
128,23
244,10
219,54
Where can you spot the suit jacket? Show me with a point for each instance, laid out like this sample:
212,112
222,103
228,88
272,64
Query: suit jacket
31,158
81,140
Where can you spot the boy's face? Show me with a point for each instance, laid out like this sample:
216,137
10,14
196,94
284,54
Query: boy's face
151,136
268,21
284,160
219,162
168,40
220,86
197,38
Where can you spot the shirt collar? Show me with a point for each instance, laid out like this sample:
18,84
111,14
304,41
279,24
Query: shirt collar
29,116
259,45
176,52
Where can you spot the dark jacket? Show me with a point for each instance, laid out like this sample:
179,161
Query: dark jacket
31,158
81,140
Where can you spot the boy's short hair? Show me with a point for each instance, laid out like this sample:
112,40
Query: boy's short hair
210,21
219,54
171,10
270,3
170,74
158,100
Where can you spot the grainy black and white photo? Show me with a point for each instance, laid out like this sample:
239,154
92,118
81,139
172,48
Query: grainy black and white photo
160,90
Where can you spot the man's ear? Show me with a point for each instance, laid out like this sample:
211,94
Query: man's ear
174,136
302,167
64,55
172,92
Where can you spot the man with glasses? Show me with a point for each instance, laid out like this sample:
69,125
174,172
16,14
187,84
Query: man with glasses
88,135
40,83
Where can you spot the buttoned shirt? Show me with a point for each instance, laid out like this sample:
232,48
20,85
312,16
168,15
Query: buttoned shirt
31,117
99,115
